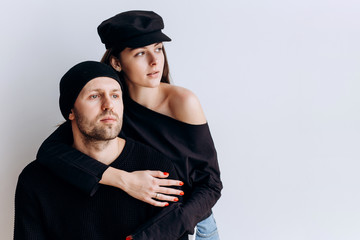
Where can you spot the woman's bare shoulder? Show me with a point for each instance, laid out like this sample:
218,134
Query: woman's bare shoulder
185,105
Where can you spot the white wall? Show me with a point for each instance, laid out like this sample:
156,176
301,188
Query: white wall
279,82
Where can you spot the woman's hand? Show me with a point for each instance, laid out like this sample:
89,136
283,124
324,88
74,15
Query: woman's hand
147,186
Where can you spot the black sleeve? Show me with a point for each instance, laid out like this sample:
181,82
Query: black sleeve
28,221
204,176
182,219
68,163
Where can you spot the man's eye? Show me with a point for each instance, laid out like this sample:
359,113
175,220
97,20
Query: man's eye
159,49
94,96
115,96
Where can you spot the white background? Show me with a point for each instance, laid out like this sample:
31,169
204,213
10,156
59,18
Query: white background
278,80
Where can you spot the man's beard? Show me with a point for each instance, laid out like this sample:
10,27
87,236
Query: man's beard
94,131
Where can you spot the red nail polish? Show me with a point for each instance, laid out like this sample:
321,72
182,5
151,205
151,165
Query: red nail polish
181,183
129,238
166,204
165,173
176,199
182,193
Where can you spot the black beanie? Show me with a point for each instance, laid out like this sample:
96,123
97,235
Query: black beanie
76,78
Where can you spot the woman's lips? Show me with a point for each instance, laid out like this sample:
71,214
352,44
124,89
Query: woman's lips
153,74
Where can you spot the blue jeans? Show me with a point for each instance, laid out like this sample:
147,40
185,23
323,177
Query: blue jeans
207,229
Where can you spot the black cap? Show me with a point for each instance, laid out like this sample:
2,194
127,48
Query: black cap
76,78
132,29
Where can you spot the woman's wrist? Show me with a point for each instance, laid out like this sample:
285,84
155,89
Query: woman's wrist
114,177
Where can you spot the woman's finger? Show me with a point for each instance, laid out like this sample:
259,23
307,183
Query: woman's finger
158,174
169,182
169,191
157,203
163,197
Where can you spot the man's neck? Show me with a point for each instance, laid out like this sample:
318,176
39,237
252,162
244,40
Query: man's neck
103,151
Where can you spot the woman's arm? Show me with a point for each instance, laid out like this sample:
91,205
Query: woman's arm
200,167
177,220
85,172
68,163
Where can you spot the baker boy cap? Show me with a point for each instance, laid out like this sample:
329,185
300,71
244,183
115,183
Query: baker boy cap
76,78
132,29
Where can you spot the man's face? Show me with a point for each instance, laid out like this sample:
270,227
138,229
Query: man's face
98,110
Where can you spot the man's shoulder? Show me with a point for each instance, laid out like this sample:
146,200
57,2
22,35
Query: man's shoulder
32,172
31,167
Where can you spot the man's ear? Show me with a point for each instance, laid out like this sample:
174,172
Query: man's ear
71,115
115,63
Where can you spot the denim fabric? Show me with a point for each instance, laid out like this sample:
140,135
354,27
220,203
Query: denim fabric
207,229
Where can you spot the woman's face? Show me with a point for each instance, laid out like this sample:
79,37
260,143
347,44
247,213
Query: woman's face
143,66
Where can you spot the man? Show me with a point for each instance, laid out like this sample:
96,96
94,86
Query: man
46,207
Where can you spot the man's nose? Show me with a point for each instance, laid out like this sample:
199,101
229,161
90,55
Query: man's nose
107,103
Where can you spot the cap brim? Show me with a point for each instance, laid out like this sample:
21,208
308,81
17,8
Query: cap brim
147,39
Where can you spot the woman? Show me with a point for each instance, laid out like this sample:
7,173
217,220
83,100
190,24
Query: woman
166,117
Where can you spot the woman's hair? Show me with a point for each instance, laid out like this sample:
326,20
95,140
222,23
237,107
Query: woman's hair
165,78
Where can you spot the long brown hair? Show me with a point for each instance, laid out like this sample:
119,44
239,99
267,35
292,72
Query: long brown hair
165,78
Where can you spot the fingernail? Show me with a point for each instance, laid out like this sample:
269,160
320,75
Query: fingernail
166,173
129,238
176,199
166,204
182,193
181,183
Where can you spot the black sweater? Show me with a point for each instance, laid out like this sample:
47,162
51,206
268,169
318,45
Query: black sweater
47,207
189,146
